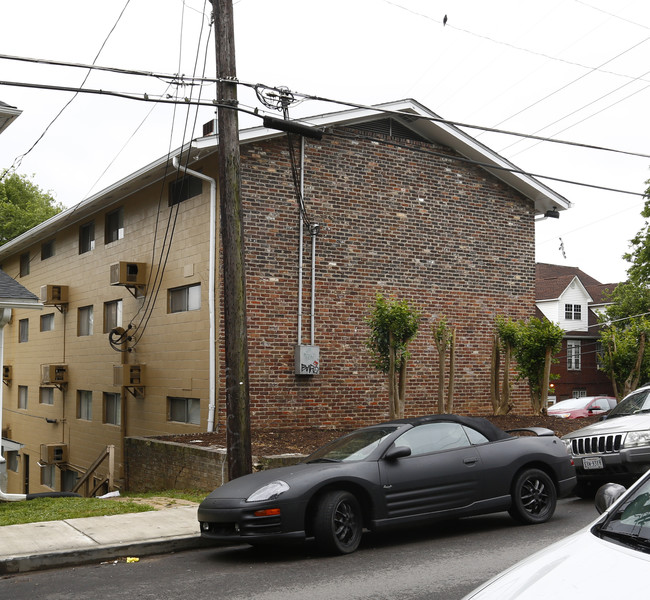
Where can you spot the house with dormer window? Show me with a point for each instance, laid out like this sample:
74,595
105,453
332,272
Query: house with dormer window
572,299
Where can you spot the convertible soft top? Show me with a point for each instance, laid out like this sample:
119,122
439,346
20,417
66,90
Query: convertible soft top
487,428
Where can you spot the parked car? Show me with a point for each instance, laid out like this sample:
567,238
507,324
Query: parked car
578,408
616,448
619,539
401,473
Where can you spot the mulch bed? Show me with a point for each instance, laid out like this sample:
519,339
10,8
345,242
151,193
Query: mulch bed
266,442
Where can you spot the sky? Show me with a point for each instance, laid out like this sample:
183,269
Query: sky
571,70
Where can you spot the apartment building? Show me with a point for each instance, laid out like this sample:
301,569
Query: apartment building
394,201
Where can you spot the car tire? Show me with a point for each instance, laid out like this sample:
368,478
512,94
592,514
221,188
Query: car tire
534,497
338,523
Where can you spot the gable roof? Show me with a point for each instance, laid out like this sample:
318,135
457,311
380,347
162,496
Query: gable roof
409,113
7,115
552,280
13,294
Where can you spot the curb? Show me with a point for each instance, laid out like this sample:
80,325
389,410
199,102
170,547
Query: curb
39,562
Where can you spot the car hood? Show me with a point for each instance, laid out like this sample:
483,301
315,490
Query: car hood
569,569
615,425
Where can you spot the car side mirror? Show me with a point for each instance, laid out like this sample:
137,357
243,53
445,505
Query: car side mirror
606,496
397,452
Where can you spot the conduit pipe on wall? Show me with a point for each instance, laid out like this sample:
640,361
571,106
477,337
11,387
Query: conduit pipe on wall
212,406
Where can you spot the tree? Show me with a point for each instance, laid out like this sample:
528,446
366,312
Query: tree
505,338
23,205
393,324
537,340
444,337
639,256
625,337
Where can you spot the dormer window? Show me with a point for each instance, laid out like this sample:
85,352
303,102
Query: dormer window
573,312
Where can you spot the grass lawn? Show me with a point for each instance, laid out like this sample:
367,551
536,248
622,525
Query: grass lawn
58,509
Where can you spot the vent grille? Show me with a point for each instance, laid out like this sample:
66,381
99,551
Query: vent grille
390,128
599,444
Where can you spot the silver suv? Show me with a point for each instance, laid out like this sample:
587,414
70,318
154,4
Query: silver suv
617,448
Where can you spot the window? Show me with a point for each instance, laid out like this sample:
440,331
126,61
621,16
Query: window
85,405
573,312
579,393
12,460
46,395
185,410
112,315
112,409
47,322
22,397
185,298
47,249
184,188
23,330
68,479
85,321
47,476
87,237
573,355
114,229
24,264
434,437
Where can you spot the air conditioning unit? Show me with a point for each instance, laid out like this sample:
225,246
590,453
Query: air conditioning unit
54,374
6,373
54,294
128,273
52,454
128,375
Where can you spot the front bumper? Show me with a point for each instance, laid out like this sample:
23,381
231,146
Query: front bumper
236,521
625,466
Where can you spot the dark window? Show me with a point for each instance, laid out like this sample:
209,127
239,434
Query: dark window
184,188
87,237
185,298
24,264
47,250
112,409
114,226
185,410
23,330
572,312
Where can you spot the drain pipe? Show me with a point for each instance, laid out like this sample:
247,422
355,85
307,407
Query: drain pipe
300,240
212,406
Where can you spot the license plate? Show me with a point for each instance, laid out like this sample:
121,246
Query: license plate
592,463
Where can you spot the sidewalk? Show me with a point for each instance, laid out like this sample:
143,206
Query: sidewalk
37,546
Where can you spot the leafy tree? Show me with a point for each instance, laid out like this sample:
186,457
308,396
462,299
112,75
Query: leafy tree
23,205
537,340
393,324
625,337
639,256
504,339
444,337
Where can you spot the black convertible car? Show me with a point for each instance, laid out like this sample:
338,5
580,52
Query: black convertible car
401,473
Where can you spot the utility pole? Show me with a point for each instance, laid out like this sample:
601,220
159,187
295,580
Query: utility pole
238,436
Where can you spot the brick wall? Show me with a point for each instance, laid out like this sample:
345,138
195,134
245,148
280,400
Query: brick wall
397,220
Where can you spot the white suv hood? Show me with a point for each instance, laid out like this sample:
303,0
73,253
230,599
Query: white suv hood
615,425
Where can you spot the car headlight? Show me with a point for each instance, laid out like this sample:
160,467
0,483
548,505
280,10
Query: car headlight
568,445
269,491
637,438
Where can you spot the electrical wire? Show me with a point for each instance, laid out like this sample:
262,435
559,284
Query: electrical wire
18,160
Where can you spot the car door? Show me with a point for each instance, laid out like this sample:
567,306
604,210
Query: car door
442,472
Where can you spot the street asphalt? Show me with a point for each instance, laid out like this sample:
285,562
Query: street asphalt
36,546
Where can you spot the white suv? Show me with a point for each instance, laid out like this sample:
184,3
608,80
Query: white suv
617,448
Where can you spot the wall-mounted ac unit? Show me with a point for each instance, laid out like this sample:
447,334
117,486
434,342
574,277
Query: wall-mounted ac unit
54,374
54,453
128,375
6,373
54,294
128,273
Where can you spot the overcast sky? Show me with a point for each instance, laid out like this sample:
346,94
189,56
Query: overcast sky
570,70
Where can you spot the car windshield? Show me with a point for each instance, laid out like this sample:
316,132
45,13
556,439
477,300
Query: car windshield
634,403
630,523
354,446
570,404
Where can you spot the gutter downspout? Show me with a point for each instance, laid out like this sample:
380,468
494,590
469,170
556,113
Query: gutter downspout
212,406
300,240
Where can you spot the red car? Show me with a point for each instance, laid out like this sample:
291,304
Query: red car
578,408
